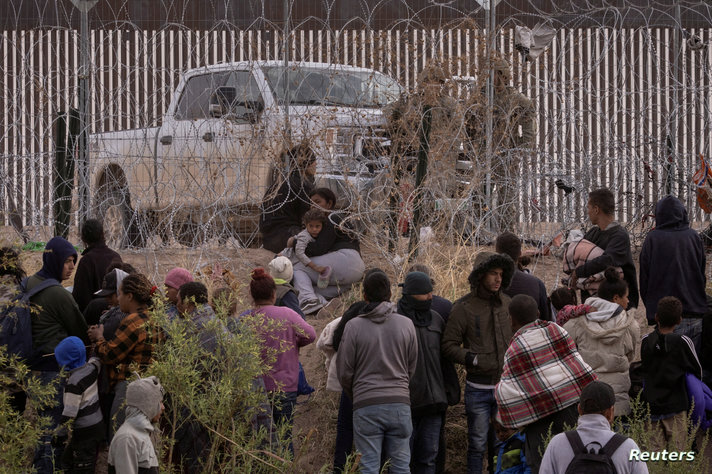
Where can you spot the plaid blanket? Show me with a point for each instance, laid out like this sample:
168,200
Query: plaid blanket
543,373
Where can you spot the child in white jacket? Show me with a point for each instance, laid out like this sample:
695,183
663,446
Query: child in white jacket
131,449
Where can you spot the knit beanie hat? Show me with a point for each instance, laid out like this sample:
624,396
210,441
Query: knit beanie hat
70,353
281,268
146,395
177,277
417,283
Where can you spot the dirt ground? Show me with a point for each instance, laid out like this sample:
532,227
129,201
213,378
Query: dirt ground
315,418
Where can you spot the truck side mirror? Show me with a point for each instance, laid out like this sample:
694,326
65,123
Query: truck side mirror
216,110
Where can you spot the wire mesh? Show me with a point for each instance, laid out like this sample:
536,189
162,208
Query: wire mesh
188,124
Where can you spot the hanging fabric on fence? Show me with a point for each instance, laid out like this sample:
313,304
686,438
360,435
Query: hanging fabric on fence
703,179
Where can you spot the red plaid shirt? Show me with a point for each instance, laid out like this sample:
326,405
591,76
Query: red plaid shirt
543,373
130,348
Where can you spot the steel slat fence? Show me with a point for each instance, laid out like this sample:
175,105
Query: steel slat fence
604,97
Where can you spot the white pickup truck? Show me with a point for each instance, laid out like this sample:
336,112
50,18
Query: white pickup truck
217,149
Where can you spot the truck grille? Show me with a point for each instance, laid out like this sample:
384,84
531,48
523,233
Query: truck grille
361,150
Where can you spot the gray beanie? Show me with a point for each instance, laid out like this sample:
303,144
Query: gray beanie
146,395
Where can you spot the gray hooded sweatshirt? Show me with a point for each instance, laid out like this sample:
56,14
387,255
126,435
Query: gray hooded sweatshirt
377,357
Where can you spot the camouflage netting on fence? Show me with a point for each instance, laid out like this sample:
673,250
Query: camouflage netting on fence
192,110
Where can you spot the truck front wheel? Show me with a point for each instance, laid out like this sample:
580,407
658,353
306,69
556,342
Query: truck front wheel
121,223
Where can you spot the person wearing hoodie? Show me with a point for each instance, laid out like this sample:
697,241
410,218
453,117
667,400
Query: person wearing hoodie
132,449
672,263
607,337
80,405
376,360
57,318
328,343
609,235
428,400
666,358
477,335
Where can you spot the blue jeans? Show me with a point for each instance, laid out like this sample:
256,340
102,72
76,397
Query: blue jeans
424,443
692,328
344,433
386,427
283,413
48,454
480,405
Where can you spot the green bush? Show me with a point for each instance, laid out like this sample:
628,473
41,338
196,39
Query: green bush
639,427
21,432
218,391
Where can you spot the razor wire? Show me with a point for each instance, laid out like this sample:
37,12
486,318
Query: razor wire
620,95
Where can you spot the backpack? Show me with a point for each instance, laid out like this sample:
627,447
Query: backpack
590,461
16,320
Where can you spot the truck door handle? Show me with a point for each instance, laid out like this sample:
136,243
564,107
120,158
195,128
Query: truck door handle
208,137
166,139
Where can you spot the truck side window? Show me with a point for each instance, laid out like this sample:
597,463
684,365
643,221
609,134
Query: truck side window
194,102
247,97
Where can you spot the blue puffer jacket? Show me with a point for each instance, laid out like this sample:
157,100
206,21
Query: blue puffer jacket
510,457
700,396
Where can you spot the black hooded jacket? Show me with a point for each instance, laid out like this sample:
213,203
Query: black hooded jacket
666,358
672,261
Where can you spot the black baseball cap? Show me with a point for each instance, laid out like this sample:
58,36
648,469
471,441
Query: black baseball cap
596,397
108,285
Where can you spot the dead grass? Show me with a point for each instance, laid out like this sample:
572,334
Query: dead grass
315,417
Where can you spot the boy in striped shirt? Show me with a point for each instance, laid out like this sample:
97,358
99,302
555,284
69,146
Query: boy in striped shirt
80,405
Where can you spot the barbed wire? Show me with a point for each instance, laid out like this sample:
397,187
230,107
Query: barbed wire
619,97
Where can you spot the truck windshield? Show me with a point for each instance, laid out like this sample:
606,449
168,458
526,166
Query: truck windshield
340,87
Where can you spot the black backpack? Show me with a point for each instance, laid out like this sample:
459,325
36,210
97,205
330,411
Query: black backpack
589,461
16,320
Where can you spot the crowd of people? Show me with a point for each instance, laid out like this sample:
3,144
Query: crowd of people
533,363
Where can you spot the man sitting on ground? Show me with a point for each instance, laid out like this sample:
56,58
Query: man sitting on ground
594,432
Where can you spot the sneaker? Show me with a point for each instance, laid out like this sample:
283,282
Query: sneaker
311,306
324,276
